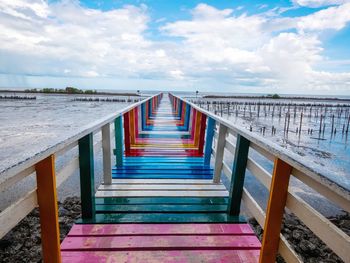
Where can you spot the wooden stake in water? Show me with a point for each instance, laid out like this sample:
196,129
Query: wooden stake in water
301,122
288,122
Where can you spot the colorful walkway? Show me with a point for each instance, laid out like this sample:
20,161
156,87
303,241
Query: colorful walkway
162,204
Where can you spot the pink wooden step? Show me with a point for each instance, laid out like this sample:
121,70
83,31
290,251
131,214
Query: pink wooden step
172,243
160,242
160,229
175,256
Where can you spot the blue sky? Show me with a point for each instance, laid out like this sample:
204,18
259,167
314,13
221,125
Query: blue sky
298,46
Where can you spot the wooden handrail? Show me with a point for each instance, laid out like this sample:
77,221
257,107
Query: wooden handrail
10,172
312,176
43,164
273,150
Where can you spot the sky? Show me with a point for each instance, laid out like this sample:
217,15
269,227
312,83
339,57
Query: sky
284,47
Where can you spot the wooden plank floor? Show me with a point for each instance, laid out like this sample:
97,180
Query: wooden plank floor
162,206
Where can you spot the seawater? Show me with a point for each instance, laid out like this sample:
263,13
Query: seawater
28,127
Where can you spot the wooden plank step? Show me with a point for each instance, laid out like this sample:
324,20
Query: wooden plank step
163,171
159,229
152,166
175,193
114,218
174,256
162,200
163,158
162,181
161,176
171,242
162,187
160,208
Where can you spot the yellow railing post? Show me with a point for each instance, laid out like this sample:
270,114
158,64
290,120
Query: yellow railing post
275,210
47,200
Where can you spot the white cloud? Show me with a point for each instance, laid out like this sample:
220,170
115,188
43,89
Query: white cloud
318,3
215,46
331,18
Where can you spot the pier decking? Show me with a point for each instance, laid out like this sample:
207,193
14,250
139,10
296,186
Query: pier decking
162,204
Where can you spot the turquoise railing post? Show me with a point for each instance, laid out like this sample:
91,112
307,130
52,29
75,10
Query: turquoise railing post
238,174
209,140
118,133
87,182
187,117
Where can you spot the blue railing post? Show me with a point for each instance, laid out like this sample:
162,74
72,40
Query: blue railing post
209,141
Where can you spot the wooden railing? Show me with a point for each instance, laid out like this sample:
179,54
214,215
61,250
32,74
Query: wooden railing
48,178
286,164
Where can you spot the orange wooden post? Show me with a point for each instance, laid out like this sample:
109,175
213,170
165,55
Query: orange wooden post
275,211
47,200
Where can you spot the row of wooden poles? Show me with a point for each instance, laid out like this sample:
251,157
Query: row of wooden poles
16,97
276,109
94,99
337,114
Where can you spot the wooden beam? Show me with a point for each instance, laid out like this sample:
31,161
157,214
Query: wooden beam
106,153
47,200
127,133
87,184
219,153
238,174
209,141
275,210
118,133
202,133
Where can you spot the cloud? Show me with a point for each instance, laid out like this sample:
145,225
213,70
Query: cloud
65,38
331,18
319,3
214,47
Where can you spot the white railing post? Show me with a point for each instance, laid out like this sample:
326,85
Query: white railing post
107,155
219,153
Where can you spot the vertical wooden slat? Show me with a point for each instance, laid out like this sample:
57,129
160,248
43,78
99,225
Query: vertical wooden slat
126,134
197,128
209,140
275,210
47,200
219,152
132,126
238,174
118,132
202,133
106,152
87,184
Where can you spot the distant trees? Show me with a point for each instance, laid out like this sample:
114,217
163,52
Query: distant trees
67,90
274,96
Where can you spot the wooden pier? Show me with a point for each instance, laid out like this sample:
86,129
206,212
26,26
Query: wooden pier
162,198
